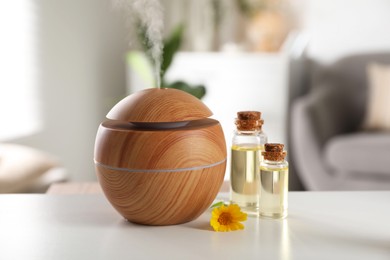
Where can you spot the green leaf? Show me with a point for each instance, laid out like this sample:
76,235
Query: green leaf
198,91
171,46
218,204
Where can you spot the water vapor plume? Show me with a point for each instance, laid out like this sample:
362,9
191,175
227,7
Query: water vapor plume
150,14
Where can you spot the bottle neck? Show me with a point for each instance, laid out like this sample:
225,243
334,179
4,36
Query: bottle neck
277,165
248,132
274,162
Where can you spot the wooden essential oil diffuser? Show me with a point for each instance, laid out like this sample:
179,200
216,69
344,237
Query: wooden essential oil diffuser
159,159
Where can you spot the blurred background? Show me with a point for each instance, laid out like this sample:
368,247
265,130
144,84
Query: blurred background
65,63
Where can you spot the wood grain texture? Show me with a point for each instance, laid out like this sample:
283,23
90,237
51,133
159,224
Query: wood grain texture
164,198
159,105
73,188
121,145
160,197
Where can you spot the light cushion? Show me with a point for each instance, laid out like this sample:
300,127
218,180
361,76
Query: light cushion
44,182
378,103
359,154
21,166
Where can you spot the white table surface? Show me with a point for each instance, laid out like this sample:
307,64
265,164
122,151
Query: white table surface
320,225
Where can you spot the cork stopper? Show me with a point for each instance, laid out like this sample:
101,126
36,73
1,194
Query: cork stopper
274,152
249,120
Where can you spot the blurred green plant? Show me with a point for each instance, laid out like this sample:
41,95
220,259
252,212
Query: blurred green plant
250,8
171,46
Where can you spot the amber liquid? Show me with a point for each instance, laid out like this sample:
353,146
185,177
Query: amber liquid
273,192
244,177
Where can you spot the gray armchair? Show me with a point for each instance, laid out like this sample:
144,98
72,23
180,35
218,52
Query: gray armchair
327,147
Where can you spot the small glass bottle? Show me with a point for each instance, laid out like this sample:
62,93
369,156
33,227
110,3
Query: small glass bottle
248,143
273,182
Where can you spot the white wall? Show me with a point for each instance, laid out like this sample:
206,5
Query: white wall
339,28
81,57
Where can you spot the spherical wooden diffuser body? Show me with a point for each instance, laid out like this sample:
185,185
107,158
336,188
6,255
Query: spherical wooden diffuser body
159,159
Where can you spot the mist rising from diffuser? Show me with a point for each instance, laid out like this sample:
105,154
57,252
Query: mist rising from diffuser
150,13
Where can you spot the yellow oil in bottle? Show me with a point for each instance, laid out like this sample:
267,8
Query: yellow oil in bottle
244,176
273,192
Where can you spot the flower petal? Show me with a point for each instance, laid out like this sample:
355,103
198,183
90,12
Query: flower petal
215,213
222,228
215,225
240,217
236,226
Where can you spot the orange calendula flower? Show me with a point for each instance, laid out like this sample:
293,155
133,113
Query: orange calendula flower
227,218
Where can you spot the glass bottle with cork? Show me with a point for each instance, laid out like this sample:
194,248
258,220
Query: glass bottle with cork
247,145
273,182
